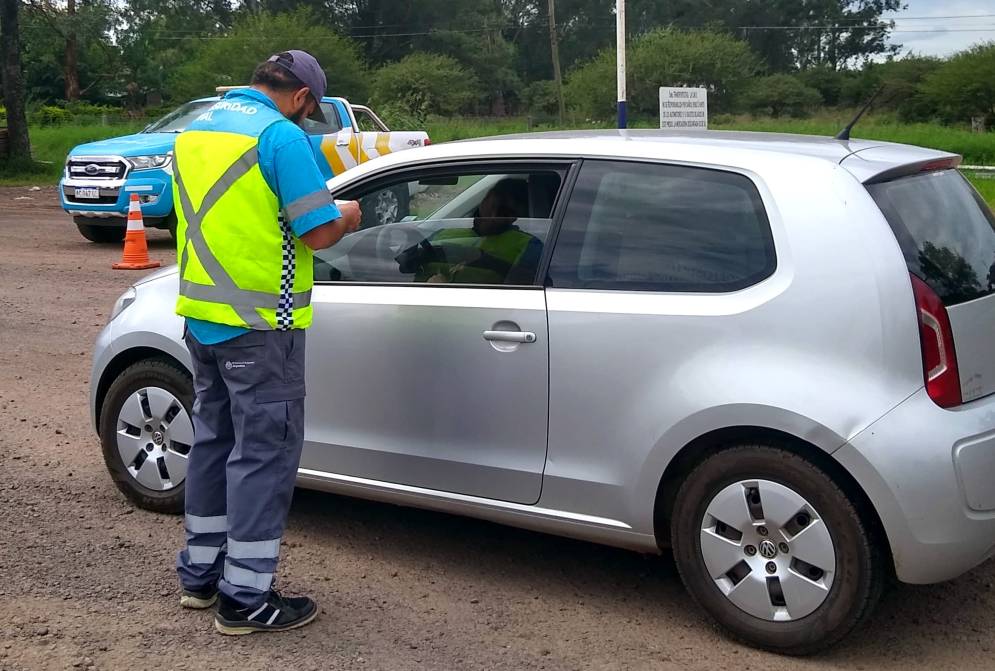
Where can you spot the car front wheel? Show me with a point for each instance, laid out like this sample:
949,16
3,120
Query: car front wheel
146,433
773,549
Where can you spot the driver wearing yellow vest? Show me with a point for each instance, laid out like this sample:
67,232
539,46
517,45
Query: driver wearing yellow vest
245,291
493,251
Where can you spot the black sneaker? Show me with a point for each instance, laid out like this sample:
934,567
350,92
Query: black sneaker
277,614
198,600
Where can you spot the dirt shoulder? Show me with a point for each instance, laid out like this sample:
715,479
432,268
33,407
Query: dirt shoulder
87,581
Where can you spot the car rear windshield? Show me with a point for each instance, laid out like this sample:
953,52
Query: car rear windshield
945,230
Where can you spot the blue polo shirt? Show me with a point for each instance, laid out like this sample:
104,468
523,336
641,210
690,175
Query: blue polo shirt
289,166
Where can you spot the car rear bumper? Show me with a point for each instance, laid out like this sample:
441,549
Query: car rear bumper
930,474
154,187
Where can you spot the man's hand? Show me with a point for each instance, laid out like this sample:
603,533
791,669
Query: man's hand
326,235
352,215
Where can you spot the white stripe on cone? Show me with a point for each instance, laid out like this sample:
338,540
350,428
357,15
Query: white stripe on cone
135,221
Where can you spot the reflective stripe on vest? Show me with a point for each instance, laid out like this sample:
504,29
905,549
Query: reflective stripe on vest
224,298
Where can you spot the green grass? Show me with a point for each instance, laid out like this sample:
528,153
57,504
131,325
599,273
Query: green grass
51,144
985,186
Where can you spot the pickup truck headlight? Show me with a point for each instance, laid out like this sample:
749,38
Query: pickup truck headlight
126,299
149,162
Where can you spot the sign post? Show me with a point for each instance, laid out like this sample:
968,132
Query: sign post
683,108
620,58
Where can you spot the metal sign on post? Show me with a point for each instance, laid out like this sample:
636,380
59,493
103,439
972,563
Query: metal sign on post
683,108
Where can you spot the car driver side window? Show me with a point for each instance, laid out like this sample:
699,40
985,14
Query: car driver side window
456,226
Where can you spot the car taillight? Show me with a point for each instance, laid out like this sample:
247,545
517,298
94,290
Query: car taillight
939,360
427,142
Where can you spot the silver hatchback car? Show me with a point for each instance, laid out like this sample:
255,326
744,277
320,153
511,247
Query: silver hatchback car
772,354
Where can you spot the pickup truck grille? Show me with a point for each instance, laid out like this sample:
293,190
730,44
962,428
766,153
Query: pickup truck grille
82,167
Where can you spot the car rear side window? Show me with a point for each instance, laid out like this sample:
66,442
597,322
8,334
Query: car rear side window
652,227
945,230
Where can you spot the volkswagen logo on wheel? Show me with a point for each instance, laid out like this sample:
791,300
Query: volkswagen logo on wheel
767,549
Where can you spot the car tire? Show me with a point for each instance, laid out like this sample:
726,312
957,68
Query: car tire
101,233
159,487
703,545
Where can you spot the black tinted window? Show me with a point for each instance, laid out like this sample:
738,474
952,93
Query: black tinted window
646,227
945,230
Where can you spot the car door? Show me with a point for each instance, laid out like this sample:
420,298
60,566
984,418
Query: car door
428,358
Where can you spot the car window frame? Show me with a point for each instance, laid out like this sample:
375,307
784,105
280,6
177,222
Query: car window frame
570,167
761,193
358,110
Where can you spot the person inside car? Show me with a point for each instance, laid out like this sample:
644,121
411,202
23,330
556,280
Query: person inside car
493,251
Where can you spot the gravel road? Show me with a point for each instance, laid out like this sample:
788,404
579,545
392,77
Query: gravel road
86,581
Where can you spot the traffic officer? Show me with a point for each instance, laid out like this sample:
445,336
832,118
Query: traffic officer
245,290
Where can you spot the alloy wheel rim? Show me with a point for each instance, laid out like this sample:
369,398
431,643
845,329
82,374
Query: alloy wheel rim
154,437
768,550
387,207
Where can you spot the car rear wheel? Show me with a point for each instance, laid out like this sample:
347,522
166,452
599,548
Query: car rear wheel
773,549
146,433
101,233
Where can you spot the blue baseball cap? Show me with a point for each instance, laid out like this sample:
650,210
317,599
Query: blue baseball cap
305,67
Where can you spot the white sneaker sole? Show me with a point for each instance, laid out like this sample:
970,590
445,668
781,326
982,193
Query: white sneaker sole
196,603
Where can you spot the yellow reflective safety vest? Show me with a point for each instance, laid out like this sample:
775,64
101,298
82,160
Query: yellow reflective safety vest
240,264
470,258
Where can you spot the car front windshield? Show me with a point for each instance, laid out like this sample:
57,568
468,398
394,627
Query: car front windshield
178,120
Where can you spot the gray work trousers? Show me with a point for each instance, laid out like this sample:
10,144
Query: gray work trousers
248,420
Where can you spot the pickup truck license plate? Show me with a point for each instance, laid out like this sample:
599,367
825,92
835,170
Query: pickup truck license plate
87,192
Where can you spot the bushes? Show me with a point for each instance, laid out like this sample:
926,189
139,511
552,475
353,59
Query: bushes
964,86
423,84
779,95
668,57
230,60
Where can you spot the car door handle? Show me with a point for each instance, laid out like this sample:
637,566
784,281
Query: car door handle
510,336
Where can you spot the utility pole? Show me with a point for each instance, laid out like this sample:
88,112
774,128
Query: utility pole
620,40
554,46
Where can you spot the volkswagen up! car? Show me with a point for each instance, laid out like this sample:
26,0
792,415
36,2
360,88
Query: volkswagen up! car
772,354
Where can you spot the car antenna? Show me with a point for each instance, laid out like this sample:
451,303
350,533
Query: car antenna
845,133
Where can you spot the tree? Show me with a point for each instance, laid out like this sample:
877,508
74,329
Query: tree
785,33
68,52
161,36
666,57
964,86
18,143
780,94
423,84
230,60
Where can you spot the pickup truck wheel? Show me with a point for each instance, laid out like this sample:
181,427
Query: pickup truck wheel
146,433
774,550
100,233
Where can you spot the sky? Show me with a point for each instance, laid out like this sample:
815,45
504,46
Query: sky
943,27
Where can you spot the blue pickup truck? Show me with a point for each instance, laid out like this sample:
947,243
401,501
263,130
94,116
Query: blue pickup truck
101,176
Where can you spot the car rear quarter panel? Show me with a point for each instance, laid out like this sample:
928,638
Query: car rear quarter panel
820,350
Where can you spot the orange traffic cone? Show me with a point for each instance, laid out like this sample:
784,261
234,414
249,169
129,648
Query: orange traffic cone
136,251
